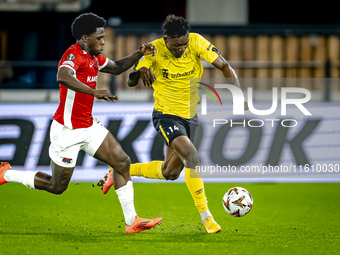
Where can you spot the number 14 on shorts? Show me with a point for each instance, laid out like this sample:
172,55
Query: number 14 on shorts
172,130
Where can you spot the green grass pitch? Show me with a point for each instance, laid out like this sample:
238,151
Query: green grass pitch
285,219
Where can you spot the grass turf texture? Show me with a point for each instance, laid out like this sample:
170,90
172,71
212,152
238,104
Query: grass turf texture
286,218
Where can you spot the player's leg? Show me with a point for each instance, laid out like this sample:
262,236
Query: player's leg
173,165
7,174
179,134
186,150
169,169
111,153
189,156
169,127
56,184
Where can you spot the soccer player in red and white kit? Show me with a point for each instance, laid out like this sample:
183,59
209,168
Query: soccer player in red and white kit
74,129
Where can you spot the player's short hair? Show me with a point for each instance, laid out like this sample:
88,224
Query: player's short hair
175,26
85,24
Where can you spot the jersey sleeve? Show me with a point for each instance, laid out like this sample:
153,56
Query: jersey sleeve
205,49
102,61
71,59
145,61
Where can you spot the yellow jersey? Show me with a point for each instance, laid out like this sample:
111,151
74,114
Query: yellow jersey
176,86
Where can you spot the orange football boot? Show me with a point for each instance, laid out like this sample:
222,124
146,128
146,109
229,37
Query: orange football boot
108,182
140,224
3,168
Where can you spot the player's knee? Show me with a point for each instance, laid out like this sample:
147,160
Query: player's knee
171,172
171,177
126,162
58,188
123,164
192,162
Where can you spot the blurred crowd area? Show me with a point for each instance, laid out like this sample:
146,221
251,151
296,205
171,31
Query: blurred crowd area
262,40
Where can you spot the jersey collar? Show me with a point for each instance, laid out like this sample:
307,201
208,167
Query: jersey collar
78,46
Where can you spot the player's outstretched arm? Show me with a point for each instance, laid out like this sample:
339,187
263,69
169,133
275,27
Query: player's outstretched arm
121,65
229,73
65,77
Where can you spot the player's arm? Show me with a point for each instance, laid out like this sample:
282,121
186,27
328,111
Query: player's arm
121,65
229,73
65,77
143,73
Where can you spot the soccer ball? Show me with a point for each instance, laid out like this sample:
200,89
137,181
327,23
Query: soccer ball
237,202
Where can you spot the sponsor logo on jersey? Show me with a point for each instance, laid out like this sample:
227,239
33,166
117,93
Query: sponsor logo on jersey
92,78
179,75
71,57
165,73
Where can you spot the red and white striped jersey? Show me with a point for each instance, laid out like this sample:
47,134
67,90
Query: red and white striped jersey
75,108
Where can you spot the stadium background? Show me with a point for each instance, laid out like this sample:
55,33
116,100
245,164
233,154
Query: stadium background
283,45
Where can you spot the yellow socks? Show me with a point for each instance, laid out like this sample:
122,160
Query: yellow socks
195,185
193,180
152,170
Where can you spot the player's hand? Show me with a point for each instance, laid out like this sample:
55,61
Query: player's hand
147,76
104,94
147,49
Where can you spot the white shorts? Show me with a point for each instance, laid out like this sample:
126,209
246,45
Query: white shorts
66,143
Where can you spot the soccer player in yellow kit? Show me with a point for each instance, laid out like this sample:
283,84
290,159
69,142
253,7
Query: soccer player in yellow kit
170,73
